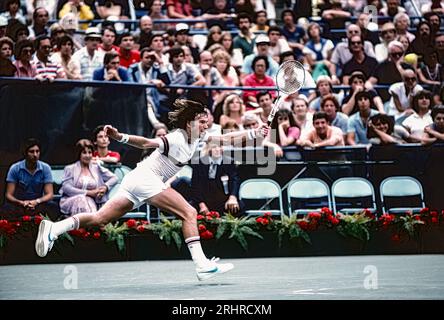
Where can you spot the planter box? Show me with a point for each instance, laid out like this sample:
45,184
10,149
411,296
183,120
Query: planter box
432,239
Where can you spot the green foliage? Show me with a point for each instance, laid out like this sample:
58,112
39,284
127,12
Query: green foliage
289,226
356,226
237,228
410,224
116,233
168,230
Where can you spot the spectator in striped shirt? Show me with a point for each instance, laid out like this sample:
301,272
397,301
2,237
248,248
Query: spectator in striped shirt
45,68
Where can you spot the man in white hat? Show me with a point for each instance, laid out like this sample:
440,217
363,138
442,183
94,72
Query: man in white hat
182,39
89,57
262,46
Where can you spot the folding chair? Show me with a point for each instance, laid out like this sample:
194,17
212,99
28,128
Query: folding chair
307,195
265,191
355,193
402,188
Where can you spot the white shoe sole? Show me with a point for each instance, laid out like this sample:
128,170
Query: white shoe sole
209,275
40,242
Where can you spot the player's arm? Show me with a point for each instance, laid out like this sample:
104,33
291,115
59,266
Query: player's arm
238,137
133,140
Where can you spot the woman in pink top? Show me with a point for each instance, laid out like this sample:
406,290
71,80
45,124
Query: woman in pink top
284,132
258,78
24,50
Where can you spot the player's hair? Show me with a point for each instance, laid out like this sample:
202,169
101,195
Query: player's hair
185,111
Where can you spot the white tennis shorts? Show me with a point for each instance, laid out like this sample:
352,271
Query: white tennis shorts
140,185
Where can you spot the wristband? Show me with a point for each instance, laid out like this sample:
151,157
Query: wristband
38,201
125,138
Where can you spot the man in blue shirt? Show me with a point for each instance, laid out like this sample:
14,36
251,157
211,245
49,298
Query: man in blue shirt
29,188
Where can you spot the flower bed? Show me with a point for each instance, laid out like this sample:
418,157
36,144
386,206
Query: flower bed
318,233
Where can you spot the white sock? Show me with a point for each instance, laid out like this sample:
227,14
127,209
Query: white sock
196,251
71,223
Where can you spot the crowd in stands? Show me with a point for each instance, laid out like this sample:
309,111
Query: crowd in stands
378,81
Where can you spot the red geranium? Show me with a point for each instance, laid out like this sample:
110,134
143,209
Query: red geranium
96,235
140,228
38,219
207,235
131,223
26,218
202,228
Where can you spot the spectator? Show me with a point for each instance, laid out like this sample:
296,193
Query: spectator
267,6
250,121
155,13
423,41
218,14
89,58
434,5
392,9
245,39
33,5
222,62
101,142
303,118
323,88
322,134
330,106
80,9
435,132
357,81
113,8
258,78
402,23
383,131
182,38
156,43
284,132
215,183
357,123
422,105
359,61
108,38
70,24
212,77
64,57
235,54
13,11
278,44
111,71
146,31
341,54
233,109
261,22
29,188
86,184
127,55
388,33
293,33
402,95
439,46
40,19
434,19
368,33
265,103
56,31
214,36
45,68
179,9
7,68
431,72
405,43
24,50
318,51
16,31
389,71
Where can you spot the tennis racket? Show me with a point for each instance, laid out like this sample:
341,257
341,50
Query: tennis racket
289,79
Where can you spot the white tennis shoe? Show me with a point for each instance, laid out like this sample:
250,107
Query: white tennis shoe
212,269
44,244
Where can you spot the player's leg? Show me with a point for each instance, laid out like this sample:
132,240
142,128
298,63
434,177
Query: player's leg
50,231
171,201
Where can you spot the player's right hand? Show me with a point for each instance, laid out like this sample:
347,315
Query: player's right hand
112,132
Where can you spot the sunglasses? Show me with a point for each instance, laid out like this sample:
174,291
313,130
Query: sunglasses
397,54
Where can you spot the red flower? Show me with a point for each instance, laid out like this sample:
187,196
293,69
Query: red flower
140,228
26,218
38,219
417,217
96,235
268,214
314,215
200,217
145,222
207,235
303,225
334,221
434,220
396,237
326,211
86,235
434,213
424,211
202,228
131,223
